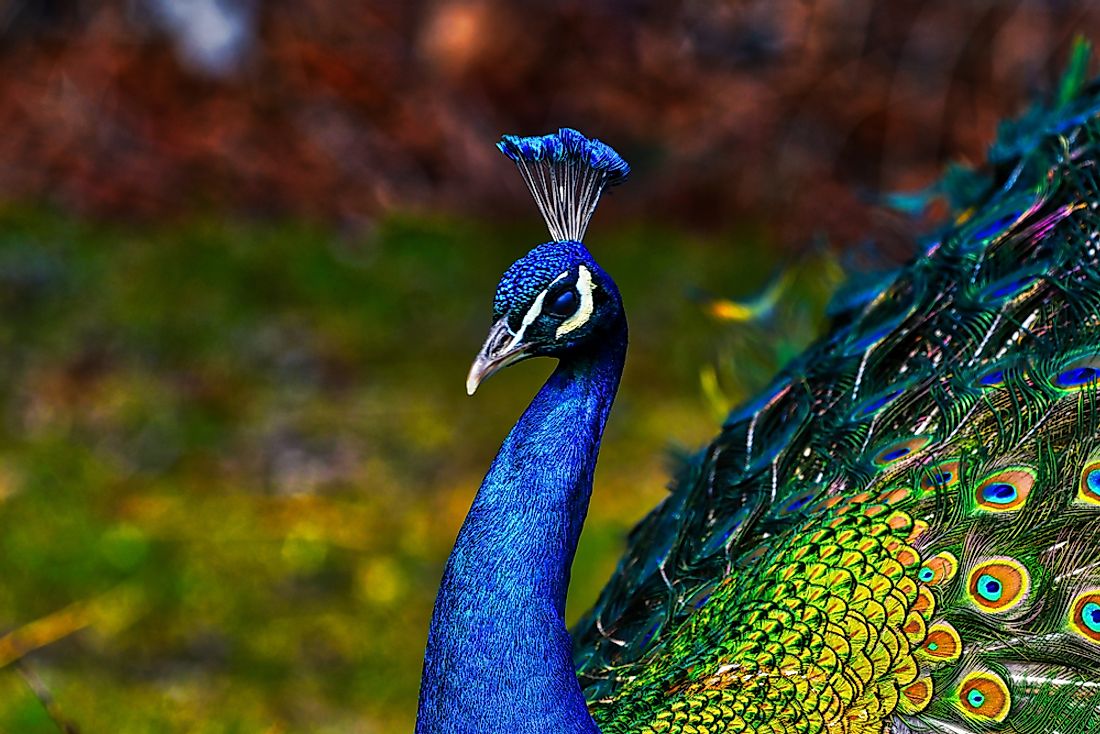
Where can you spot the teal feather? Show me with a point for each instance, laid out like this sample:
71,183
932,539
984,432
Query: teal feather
989,346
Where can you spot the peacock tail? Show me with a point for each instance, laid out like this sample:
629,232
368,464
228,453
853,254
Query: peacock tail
902,533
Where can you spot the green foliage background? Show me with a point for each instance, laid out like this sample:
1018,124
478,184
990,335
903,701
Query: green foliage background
233,457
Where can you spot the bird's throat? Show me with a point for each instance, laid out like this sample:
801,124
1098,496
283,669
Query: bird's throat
499,655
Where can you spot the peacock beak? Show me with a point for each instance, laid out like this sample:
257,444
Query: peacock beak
502,348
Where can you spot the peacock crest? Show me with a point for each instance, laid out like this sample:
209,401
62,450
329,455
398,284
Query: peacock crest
566,174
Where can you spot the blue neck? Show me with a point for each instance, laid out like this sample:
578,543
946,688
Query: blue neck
499,657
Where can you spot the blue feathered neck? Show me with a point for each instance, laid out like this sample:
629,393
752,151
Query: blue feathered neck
499,656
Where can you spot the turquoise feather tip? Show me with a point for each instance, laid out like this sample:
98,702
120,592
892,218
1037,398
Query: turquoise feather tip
570,147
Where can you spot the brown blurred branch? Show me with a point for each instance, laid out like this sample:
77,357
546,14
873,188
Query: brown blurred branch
47,630
45,697
109,611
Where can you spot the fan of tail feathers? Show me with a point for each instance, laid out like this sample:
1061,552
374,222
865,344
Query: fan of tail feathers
902,534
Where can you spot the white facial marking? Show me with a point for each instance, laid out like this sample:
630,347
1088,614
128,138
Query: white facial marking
532,313
584,311
528,319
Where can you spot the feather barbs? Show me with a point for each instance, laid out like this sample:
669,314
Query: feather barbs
916,696
566,174
925,605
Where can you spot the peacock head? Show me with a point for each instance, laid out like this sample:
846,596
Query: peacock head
552,302
556,299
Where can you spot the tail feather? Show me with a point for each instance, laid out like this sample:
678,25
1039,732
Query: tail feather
904,529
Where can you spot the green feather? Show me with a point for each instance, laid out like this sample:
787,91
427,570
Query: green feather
902,533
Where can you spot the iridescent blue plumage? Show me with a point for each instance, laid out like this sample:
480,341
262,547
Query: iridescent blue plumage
499,658
570,147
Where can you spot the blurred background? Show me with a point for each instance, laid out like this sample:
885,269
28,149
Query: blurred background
248,249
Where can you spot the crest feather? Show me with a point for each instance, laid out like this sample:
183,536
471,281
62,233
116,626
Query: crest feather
566,173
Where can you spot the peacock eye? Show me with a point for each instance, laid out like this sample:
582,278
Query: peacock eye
564,304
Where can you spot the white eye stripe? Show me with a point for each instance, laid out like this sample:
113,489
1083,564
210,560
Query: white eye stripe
528,319
585,286
533,312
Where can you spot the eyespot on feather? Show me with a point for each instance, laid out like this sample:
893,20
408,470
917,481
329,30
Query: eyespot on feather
894,495
989,227
920,527
883,316
1089,488
941,644
1009,288
993,378
721,534
874,404
944,475
983,696
925,605
939,569
899,450
798,503
996,374
915,629
1084,615
1005,490
1077,374
700,596
980,233
998,585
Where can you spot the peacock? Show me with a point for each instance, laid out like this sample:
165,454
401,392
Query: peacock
900,534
